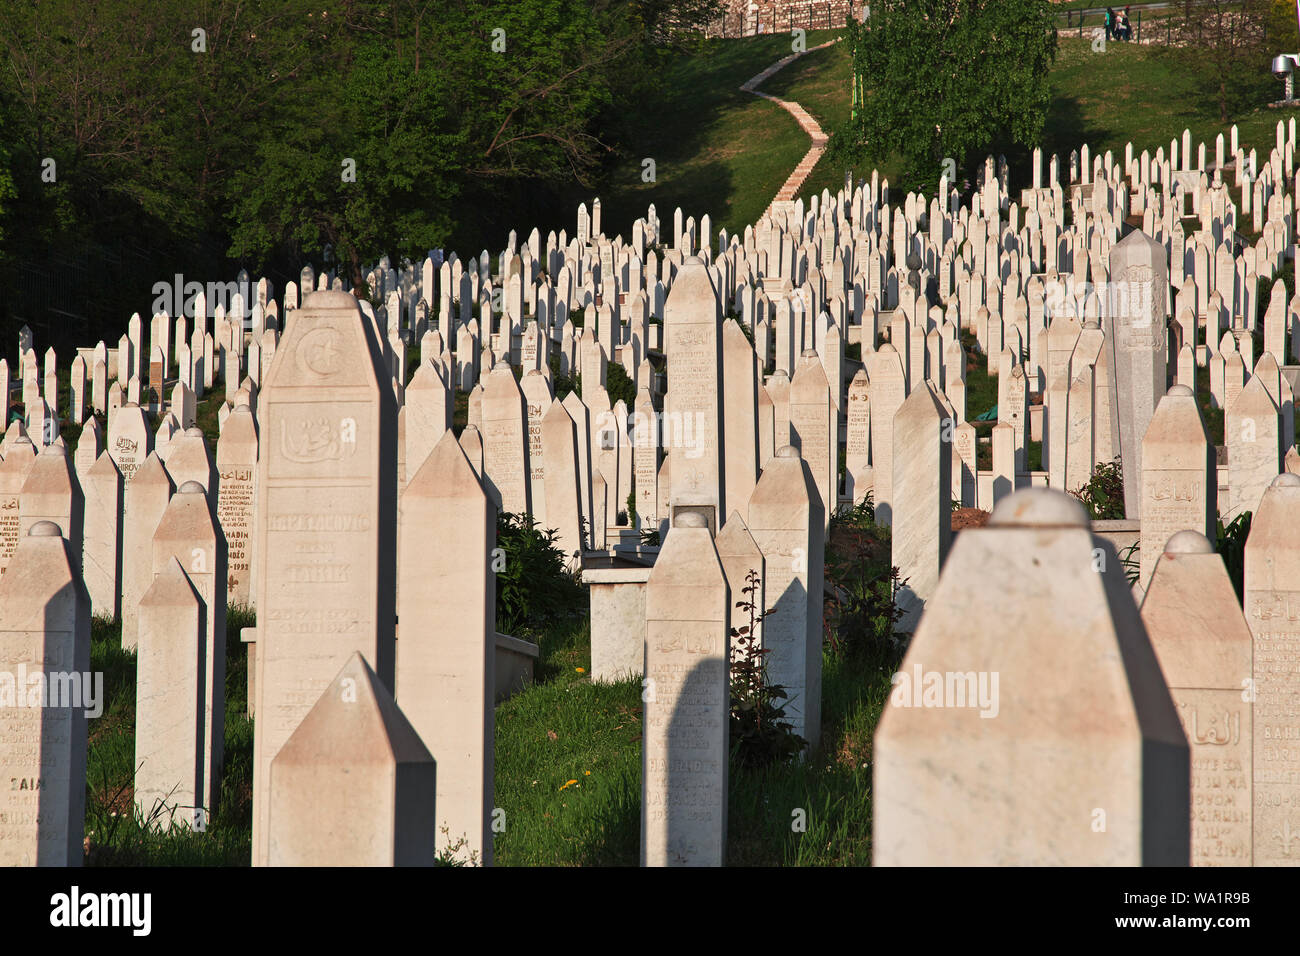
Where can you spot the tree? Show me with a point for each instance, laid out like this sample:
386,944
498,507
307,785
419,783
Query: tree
1224,46
943,79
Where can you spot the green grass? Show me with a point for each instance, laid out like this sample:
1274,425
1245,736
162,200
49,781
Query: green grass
1138,94
117,833
716,149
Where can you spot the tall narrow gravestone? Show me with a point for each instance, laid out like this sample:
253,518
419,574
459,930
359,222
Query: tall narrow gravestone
1180,483
1136,343
353,785
189,533
684,762
171,772
1082,761
785,521
922,505
445,673
1204,646
101,553
326,522
145,499
1272,608
45,647
236,500
693,427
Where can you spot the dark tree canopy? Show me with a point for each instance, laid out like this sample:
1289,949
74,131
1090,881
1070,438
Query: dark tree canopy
190,134
947,79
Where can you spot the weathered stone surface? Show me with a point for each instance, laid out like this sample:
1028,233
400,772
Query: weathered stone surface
922,499
1180,482
445,679
1272,609
45,631
353,785
326,522
1136,338
684,761
785,521
1204,647
951,786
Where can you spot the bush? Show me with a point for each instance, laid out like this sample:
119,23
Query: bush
1103,495
535,588
564,384
862,611
619,386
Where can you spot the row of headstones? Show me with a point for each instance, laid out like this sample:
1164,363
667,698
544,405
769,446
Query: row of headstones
1047,721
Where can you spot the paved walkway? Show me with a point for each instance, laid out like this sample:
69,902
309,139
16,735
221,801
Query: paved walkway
809,125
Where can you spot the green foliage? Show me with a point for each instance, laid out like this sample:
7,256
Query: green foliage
1224,47
564,384
535,588
1103,495
619,386
1131,561
1230,544
861,613
759,733
949,79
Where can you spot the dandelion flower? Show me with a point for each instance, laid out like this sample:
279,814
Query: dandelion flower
581,670
586,773
568,785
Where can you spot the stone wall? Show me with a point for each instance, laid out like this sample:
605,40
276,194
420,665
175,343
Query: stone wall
750,17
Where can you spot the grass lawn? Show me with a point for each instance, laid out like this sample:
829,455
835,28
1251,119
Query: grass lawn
568,761
716,149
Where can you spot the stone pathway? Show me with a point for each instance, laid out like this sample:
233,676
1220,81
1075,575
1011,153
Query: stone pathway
801,116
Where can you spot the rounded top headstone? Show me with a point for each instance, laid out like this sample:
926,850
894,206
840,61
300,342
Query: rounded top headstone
810,353
1189,542
690,519
130,404
1092,323
1037,508
787,451
329,299
1180,391
190,488
194,432
1286,480
44,529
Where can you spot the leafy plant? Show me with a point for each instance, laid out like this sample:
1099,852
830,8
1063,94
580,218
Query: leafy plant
1131,563
940,81
862,609
1230,543
619,386
1103,495
534,585
564,384
759,734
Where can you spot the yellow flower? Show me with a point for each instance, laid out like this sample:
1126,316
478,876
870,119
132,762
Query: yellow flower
581,670
568,785
586,773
